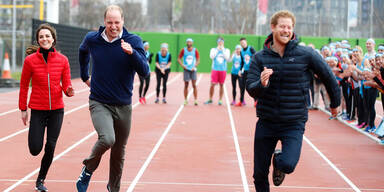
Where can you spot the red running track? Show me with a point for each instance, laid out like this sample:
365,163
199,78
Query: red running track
188,148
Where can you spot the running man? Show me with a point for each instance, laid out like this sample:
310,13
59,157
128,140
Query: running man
146,79
191,60
279,78
246,58
219,56
163,67
116,55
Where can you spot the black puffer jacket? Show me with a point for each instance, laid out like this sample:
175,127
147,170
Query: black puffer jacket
284,99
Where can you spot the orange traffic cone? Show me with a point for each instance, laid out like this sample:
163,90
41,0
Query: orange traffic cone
6,67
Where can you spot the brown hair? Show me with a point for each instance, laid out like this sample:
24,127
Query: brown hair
113,7
285,14
33,48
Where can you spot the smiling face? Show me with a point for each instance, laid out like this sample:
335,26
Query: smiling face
45,39
113,22
282,31
243,43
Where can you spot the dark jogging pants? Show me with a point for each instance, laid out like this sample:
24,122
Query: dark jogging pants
160,76
147,80
266,137
41,119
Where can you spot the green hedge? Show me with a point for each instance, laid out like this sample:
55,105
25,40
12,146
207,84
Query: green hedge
204,42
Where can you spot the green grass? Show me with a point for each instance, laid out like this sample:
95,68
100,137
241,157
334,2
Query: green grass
16,75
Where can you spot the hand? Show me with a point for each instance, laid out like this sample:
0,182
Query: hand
24,117
265,75
88,82
126,47
334,112
239,74
70,91
162,70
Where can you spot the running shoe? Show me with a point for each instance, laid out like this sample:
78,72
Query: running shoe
278,175
367,129
255,104
196,103
361,125
83,181
144,100
239,104
40,186
233,102
164,101
157,100
243,103
141,100
185,102
220,102
208,102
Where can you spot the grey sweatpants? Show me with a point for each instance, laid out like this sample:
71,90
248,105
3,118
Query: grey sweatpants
112,124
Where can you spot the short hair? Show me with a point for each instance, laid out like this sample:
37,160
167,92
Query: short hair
50,28
113,7
243,38
285,14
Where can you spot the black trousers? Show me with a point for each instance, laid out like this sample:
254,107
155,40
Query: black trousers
41,119
147,80
361,107
234,80
160,76
242,81
266,137
371,100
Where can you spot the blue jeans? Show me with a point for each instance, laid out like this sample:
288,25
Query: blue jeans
266,137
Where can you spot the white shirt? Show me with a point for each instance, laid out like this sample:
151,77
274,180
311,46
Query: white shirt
113,40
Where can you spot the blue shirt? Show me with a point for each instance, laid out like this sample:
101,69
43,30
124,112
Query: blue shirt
219,63
247,57
189,58
236,62
113,70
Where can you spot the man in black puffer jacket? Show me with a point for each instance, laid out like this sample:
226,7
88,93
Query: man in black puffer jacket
279,77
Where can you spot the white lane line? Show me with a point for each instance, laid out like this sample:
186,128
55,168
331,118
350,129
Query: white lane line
341,174
14,110
199,184
159,142
354,127
67,150
236,142
66,113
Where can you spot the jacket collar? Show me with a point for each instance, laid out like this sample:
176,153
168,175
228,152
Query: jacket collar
290,45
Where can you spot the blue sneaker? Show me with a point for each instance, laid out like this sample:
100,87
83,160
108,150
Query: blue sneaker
208,102
373,129
40,186
367,129
83,181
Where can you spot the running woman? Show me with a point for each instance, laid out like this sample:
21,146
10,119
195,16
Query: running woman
236,60
51,77
147,79
191,60
219,56
246,58
163,67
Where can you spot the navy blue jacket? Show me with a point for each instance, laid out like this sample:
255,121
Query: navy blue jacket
284,99
113,70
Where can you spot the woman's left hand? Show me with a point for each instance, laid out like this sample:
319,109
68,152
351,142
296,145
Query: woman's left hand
70,92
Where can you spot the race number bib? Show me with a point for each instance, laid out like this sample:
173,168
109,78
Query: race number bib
247,58
220,58
189,59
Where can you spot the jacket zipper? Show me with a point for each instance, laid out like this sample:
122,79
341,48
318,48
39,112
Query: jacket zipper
49,84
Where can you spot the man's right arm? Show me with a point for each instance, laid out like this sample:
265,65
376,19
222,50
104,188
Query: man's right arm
84,57
181,54
253,81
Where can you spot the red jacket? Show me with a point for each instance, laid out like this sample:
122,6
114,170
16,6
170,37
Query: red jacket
49,79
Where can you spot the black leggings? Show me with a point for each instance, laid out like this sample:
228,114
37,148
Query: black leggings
147,80
242,81
160,76
234,78
39,120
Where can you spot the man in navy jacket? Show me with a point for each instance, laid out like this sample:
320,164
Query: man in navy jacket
116,55
279,77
